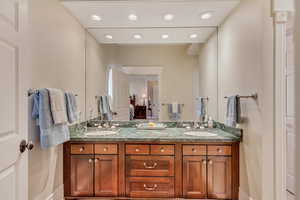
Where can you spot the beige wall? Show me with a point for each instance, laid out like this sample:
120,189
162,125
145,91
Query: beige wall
246,66
177,79
208,74
58,60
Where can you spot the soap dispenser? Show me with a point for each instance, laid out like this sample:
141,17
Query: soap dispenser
210,123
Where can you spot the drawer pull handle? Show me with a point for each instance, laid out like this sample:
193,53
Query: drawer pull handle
81,149
105,149
150,188
150,167
137,150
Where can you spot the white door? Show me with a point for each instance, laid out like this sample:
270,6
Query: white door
13,117
120,94
290,114
156,101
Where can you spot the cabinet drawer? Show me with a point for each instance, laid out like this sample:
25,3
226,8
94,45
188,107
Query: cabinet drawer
106,149
150,166
140,149
162,149
219,150
150,187
82,149
193,150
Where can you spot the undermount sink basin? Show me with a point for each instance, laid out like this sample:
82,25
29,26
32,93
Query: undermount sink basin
200,133
100,133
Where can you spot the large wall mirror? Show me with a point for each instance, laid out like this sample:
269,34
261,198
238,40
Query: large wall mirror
153,80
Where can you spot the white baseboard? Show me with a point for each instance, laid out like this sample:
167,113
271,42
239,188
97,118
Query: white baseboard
58,194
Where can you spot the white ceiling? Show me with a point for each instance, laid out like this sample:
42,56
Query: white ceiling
152,35
150,23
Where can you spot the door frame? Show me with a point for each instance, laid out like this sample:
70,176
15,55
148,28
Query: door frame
281,18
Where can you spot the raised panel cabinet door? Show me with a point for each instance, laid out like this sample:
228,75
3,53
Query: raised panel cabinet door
219,177
194,177
106,175
82,175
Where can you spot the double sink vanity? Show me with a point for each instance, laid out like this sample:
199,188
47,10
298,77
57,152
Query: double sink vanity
173,162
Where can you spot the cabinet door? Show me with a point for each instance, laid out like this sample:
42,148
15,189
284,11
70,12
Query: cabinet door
194,177
219,177
82,175
106,175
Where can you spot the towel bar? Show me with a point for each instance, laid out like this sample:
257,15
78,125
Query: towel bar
253,96
32,91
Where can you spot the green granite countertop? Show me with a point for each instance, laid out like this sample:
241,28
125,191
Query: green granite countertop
167,135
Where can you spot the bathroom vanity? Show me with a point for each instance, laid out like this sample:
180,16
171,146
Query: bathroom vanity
152,164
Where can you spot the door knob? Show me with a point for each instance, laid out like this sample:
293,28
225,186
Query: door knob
24,145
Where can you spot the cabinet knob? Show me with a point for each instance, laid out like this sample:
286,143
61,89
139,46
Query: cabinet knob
210,162
219,150
90,160
96,160
204,162
81,149
105,149
137,150
162,150
150,188
194,150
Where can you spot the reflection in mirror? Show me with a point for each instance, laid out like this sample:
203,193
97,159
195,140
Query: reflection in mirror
154,82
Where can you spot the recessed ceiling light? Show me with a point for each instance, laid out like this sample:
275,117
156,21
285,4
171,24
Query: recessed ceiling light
108,36
137,36
96,18
132,17
206,15
193,36
164,36
168,17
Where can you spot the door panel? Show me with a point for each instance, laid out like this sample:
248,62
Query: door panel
219,177
121,94
106,175
13,116
289,114
194,177
82,175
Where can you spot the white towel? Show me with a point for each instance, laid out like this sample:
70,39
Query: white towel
58,106
175,107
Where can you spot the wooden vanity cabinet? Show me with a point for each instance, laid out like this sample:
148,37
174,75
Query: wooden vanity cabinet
151,170
82,175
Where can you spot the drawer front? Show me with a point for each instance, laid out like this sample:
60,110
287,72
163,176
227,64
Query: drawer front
219,150
150,166
162,149
194,150
106,149
140,149
146,187
82,149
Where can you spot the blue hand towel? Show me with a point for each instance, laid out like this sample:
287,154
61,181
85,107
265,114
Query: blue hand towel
50,134
104,108
201,107
72,111
233,116
172,114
